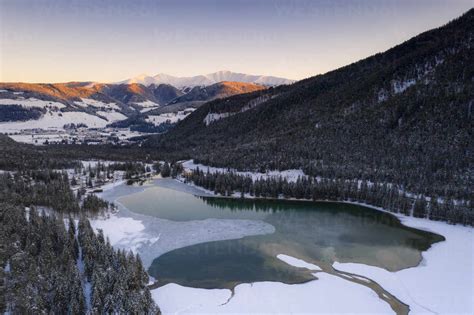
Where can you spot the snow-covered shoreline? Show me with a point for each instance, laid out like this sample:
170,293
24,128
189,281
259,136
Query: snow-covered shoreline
443,283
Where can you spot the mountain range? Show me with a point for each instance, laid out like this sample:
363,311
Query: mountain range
403,117
206,80
112,102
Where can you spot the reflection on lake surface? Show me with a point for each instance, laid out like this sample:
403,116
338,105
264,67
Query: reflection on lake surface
317,232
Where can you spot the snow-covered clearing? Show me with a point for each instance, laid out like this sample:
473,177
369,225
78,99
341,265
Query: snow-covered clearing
112,115
86,102
54,120
212,117
290,175
171,117
39,139
147,104
400,86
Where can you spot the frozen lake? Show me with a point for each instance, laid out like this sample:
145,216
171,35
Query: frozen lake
205,242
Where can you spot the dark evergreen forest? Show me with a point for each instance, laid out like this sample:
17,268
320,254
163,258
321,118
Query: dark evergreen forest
51,260
402,117
387,196
52,265
19,113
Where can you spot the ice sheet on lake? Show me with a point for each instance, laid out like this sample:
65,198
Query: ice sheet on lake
152,237
299,263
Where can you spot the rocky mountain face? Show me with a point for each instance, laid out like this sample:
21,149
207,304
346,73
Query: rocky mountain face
126,96
136,94
402,117
199,95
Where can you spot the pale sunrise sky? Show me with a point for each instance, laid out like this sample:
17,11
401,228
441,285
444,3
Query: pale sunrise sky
111,40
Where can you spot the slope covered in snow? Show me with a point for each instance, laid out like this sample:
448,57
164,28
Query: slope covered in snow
87,102
55,120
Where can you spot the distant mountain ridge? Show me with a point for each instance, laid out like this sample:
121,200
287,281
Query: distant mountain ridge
137,94
207,79
103,103
129,97
217,90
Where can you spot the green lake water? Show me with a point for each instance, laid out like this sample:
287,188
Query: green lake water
317,232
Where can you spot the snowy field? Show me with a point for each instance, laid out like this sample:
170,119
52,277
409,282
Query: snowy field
147,106
57,135
171,117
39,139
111,115
86,102
53,121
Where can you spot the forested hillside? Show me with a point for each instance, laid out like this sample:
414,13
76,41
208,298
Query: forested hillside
387,196
51,260
402,117
20,156
218,90
48,268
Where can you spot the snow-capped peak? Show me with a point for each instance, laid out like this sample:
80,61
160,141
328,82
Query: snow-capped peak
207,79
141,79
